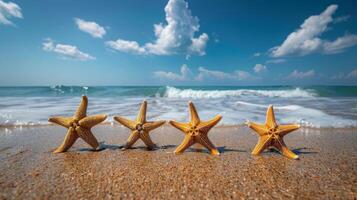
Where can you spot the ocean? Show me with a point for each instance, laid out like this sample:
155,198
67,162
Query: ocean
314,106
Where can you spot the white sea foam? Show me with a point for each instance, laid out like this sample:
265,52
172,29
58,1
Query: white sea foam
289,107
236,107
307,117
172,92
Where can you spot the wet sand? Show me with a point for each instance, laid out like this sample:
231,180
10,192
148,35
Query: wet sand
327,168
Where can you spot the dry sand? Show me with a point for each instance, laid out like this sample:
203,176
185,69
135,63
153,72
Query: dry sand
28,170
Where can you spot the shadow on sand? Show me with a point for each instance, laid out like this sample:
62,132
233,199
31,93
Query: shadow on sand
304,150
222,149
102,146
297,151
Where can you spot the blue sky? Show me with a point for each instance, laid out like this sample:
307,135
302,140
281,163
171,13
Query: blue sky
178,42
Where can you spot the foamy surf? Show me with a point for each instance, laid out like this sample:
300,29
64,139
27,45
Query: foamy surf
172,92
27,106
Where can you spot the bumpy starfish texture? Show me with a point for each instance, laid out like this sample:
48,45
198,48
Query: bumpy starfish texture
196,131
140,128
79,126
271,134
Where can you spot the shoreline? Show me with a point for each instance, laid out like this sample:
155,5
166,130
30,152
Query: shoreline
115,124
28,169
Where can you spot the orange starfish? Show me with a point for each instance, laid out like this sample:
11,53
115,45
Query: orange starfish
196,131
140,128
271,134
79,126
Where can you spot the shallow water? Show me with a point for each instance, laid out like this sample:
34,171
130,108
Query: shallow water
328,106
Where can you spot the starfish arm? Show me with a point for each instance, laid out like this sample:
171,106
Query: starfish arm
285,129
145,137
204,140
126,122
82,109
260,129
87,136
141,118
62,121
68,141
284,150
134,136
181,126
89,122
261,145
149,126
206,126
195,119
270,119
186,143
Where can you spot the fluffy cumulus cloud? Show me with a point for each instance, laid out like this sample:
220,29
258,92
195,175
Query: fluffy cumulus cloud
306,39
258,68
213,74
203,74
9,10
301,75
184,75
198,45
65,50
126,46
92,28
176,36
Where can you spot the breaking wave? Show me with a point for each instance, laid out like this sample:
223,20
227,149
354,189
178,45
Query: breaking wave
309,107
172,92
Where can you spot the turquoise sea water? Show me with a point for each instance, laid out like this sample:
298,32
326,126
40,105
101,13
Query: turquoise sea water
314,106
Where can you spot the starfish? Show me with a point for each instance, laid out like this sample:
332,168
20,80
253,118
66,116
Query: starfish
271,134
79,126
140,128
196,131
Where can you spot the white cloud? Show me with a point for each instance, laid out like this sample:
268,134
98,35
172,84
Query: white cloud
67,51
236,75
90,27
177,36
275,61
307,39
242,75
340,44
341,19
258,68
185,72
257,54
351,75
198,45
338,76
203,73
301,75
126,46
9,10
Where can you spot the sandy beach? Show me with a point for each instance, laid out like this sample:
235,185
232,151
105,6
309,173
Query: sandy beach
326,169
170,99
